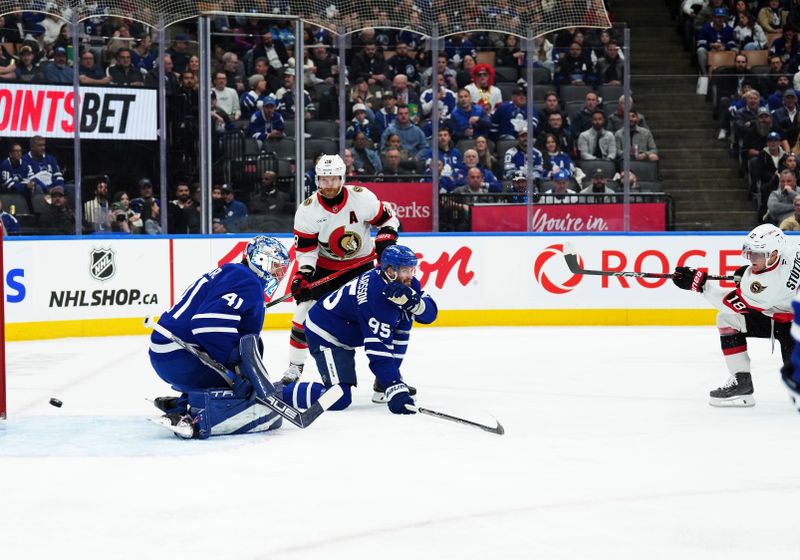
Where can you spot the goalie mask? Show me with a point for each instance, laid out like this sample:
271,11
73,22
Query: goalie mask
268,258
762,241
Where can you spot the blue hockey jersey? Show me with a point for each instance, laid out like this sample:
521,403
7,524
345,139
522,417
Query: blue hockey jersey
215,312
358,314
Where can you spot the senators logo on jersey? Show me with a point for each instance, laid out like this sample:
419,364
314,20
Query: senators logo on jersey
757,287
343,243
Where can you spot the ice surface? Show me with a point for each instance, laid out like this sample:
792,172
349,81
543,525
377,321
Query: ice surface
610,451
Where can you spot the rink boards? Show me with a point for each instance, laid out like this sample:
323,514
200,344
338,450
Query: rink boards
57,287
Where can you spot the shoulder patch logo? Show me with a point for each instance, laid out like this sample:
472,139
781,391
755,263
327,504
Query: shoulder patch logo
757,287
358,189
308,201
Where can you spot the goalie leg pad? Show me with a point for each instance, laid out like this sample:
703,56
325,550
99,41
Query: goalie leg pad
220,412
303,394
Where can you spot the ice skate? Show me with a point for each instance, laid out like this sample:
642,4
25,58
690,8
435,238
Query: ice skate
378,397
292,373
179,424
737,392
166,404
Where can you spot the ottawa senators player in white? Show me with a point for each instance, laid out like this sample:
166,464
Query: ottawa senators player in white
332,232
759,307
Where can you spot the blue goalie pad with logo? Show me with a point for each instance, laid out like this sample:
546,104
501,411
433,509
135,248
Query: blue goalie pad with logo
219,412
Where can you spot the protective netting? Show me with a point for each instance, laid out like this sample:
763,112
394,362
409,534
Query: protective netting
450,16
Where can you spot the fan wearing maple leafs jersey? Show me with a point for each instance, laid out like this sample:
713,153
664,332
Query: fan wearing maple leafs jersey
760,306
332,232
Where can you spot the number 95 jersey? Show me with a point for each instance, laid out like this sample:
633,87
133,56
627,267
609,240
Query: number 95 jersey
329,236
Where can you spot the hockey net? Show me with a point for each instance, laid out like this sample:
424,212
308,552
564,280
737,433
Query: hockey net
423,16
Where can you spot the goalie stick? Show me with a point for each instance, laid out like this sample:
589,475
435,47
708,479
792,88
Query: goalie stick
324,280
301,419
571,256
499,430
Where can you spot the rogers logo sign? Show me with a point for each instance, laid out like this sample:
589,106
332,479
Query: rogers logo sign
544,281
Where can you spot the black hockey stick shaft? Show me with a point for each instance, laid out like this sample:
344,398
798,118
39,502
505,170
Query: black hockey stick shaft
326,279
301,419
571,256
499,430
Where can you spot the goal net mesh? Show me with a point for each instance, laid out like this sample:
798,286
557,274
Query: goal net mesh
451,16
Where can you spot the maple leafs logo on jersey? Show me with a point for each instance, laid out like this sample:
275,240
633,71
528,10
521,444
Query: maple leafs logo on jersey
343,243
757,287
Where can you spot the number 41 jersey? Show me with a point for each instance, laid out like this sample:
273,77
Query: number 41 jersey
358,314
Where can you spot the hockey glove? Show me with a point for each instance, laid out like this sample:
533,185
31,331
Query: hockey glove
397,398
386,236
404,297
689,278
300,281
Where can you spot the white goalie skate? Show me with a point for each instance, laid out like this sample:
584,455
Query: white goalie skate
292,373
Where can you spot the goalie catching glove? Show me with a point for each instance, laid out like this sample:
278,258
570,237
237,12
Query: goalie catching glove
689,278
404,297
398,397
300,283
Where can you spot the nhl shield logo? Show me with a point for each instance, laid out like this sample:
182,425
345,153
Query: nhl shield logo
101,264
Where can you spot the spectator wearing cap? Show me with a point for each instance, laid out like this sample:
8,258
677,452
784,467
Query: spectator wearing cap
597,142
560,192
179,52
285,98
509,113
40,170
57,218
145,195
482,89
780,204
235,213
753,143
26,68
360,122
786,119
787,47
775,99
582,120
248,102
599,186
516,156
643,146
518,188
412,139
385,116
227,98
58,71
266,123
468,119
123,73
446,99
370,65
714,36
768,163
89,72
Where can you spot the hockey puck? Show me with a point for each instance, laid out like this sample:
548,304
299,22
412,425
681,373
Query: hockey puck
56,403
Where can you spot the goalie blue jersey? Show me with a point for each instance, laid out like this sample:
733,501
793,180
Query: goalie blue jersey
214,313
358,314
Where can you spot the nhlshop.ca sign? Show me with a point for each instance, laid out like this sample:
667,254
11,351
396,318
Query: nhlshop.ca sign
105,113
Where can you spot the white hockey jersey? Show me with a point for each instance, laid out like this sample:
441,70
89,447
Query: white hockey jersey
770,291
331,236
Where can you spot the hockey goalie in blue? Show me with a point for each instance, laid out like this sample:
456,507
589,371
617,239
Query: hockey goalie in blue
221,314
375,310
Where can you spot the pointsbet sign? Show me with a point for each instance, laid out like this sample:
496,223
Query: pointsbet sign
105,113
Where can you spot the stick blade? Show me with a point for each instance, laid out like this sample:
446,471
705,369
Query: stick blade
569,249
571,257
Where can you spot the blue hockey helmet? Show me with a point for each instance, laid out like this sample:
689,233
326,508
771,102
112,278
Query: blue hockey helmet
268,258
397,256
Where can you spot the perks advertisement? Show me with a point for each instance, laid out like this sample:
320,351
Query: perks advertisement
412,203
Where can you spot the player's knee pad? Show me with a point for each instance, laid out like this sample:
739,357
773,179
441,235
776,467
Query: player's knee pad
733,321
251,366
733,343
219,412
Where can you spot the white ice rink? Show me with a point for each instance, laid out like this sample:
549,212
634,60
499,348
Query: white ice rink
611,452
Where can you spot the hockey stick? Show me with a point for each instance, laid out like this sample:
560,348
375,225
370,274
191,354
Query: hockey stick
571,256
301,419
499,430
326,279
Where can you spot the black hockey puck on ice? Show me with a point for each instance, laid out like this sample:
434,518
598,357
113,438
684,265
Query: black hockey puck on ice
56,403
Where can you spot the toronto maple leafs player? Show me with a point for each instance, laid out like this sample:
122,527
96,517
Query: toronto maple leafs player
221,314
760,306
376,311
332,232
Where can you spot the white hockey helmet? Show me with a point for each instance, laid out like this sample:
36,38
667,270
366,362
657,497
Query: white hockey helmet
763,240
330,166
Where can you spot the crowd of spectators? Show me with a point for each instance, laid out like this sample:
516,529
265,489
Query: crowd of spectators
478,84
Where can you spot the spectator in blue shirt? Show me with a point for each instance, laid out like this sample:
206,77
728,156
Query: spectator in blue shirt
714,36
412,139
11,168
40,169
468,120
509,112
235,219
58,71
266,123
